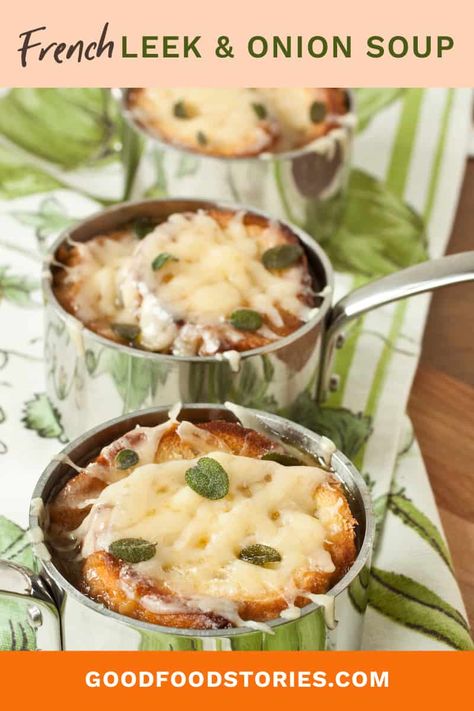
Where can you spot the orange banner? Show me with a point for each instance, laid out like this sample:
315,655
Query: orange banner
361,680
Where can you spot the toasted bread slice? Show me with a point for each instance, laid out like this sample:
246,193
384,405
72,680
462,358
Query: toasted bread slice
220,435
74,501
103,577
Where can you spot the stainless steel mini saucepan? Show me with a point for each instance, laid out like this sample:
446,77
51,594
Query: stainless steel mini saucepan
309,183
66,619
91,379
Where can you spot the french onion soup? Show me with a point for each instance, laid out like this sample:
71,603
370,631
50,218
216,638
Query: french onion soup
202,526
238,122
200,283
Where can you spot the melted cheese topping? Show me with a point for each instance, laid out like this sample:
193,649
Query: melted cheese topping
199,540
291,108
95,273
233,122
143,440
184,306
225,119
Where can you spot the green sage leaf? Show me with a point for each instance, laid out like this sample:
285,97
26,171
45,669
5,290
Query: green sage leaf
282,256
132,550
201,138
246,320
126,459
259,554
162,259
208,479
142,226
260,110
317,111
285,459
180,110
126,331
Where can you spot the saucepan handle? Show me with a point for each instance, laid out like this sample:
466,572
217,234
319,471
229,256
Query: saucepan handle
429,275
28,609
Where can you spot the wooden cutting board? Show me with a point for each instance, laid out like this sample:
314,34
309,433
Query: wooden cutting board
441,404
442,412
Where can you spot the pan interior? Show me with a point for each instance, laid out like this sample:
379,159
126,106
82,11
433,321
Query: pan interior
158,211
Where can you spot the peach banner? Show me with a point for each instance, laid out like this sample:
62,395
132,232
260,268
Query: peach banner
418,43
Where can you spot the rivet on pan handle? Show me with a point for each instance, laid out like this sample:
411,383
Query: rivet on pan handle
18,584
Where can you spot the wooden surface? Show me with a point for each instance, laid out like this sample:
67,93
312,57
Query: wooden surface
442,403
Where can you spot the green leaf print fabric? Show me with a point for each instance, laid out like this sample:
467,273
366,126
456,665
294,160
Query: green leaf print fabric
16,633
379,233
60,160
68,127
